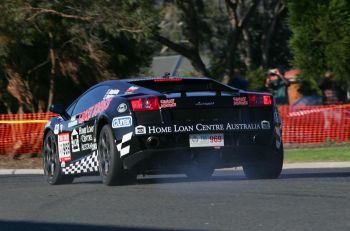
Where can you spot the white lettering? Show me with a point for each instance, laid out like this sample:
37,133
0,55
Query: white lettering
159,130
86,138
180,128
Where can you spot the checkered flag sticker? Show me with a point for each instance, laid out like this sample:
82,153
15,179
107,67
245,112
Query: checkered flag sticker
124,146
86,164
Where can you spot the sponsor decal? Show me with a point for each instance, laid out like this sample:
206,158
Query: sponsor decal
122,122
131,90
122,108
167,103
204,103
85,130
64,154
94,110
88,163
140,130
111,93
73,122
63,164
87,140
265,124
88,146
58,128
75,141
202,128
240,101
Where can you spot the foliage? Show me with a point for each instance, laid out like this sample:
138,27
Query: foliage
49,46
321,38
256,79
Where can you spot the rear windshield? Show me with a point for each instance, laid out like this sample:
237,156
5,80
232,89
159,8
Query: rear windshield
183,85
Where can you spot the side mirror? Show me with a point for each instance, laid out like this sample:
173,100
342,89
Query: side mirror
59,109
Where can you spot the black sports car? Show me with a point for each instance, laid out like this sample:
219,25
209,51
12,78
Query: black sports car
121,128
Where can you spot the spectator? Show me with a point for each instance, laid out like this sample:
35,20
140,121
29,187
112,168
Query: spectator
237,81
278,86
332,93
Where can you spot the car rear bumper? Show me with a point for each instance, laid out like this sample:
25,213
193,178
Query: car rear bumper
227,156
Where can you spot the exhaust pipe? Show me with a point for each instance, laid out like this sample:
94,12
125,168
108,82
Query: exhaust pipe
152,142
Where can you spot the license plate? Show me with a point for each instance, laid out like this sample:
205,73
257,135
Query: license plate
206,140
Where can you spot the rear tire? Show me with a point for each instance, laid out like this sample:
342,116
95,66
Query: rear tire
110,164
269,168
52,168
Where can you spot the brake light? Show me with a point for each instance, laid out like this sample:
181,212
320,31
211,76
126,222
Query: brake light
260,100
145,104
267,100
167,80
252,100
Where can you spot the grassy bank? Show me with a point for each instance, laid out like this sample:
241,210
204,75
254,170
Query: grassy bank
317,154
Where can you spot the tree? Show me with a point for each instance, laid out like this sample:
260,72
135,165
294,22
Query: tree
320,39
195,30
233,33
47,46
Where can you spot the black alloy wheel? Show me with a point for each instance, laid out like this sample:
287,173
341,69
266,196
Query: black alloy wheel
110,164
52,169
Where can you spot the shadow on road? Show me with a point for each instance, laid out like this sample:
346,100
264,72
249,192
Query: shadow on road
232,176
300,175
35,226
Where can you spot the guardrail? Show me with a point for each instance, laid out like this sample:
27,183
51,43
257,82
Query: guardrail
301,126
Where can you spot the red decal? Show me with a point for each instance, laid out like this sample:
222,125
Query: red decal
239,101
63,137
64,154
131,89
167,103
94,110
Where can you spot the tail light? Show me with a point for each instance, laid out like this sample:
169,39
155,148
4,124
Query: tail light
145,104
260,100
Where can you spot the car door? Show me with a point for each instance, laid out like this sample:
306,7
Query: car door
82,124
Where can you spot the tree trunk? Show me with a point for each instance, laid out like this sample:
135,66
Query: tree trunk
248,50
190,53
238,20
268,36
231,54
52,72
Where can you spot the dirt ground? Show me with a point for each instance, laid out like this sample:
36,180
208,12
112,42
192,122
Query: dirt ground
21,162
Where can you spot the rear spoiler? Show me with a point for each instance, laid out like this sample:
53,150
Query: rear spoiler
184,93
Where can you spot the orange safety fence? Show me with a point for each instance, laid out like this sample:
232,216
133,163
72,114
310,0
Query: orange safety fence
22,133
301,125
315,124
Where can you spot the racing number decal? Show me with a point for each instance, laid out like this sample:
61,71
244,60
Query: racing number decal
64,147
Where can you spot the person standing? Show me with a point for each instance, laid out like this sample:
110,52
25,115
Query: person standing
278,86
332,93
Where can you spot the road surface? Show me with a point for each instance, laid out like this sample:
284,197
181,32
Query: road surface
302,199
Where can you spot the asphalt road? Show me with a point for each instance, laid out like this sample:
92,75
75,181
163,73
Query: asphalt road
312,199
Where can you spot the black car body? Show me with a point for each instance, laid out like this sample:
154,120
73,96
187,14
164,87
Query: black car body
121,128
